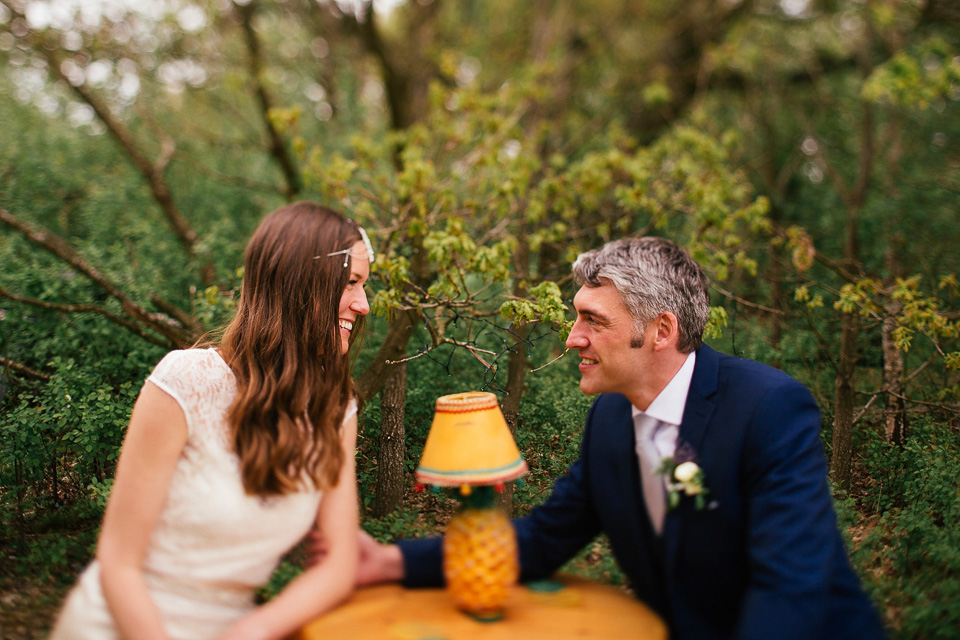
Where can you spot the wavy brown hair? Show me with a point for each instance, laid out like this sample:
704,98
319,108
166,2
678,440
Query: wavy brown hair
283,345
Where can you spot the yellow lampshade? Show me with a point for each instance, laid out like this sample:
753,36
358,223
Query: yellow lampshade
469,443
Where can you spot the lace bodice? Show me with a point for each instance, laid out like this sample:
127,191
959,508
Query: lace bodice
213,545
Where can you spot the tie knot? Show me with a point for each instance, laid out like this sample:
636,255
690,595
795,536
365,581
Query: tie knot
648,426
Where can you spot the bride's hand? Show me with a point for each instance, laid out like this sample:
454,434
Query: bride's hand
377,562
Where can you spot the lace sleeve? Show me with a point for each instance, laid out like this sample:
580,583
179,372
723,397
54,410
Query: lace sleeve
172,375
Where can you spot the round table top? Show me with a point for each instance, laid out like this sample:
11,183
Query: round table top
567,607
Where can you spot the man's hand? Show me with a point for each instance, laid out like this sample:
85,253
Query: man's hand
378,562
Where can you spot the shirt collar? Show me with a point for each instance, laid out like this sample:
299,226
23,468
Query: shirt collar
668,406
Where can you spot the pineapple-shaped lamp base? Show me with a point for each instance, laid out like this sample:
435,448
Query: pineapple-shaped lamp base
480,556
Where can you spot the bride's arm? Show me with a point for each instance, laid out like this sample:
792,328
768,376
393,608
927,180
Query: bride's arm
324,585
153,443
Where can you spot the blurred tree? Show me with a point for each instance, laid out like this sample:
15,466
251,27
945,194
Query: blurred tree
850,95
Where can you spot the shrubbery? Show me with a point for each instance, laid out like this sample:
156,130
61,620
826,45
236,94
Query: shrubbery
905,515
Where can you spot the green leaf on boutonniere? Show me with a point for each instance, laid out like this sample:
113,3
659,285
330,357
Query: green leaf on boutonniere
673,500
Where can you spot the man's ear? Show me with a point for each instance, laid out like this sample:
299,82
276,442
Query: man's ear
668,331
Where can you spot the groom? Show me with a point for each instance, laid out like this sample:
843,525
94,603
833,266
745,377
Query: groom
757,553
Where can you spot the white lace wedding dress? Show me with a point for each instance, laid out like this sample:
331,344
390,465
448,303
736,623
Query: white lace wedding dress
214,545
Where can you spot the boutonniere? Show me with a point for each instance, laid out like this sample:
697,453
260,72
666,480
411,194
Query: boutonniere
684,477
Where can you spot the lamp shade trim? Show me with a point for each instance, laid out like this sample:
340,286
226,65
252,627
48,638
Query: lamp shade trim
469,443
466,402
452,478
461,409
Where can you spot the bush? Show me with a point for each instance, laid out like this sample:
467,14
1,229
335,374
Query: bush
908,553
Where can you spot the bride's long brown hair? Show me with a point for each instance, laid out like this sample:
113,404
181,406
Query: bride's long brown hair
283,345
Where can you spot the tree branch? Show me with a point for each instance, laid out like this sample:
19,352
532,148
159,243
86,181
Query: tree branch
747,303
87,308
278,149
57,246
23,369
152,173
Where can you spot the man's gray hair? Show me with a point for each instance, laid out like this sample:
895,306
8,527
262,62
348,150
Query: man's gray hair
653,275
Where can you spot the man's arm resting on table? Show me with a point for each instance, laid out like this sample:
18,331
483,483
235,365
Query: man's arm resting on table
552,534
418,562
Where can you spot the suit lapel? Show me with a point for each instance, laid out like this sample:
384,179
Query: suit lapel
696,420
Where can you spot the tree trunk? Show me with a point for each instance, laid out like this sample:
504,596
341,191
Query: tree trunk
517,365
406,77
394,348
389,490
895,411
399,332
516,372
775,280
21,519
277,148
842,459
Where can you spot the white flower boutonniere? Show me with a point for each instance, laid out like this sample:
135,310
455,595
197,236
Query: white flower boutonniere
684,477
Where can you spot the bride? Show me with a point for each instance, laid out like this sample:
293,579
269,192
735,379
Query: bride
230,449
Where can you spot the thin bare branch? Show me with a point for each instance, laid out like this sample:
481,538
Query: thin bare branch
23,369
418,354
866,407
919,369
747,303
181,316
925,403
474,350
544,366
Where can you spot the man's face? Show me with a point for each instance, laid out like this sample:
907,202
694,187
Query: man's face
602,334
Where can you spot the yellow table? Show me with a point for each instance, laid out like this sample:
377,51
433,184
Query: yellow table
578,609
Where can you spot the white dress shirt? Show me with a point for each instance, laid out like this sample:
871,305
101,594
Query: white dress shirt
667,407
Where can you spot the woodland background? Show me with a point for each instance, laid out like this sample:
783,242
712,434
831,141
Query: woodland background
805,151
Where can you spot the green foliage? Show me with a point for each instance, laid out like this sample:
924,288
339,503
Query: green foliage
596,562
917,78
403,523
548,434
908,552
58,448
716,322
545,304
473,159
285,573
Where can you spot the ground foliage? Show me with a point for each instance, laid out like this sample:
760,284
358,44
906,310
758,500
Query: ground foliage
805,152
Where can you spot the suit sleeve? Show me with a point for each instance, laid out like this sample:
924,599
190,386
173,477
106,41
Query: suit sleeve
549,536
791,537
422,562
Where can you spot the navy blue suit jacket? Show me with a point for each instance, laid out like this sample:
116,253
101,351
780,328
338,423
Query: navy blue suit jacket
763,560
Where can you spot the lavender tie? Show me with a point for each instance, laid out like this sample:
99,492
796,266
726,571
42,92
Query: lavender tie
654,492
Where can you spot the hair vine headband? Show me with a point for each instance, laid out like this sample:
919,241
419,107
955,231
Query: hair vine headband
347,253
